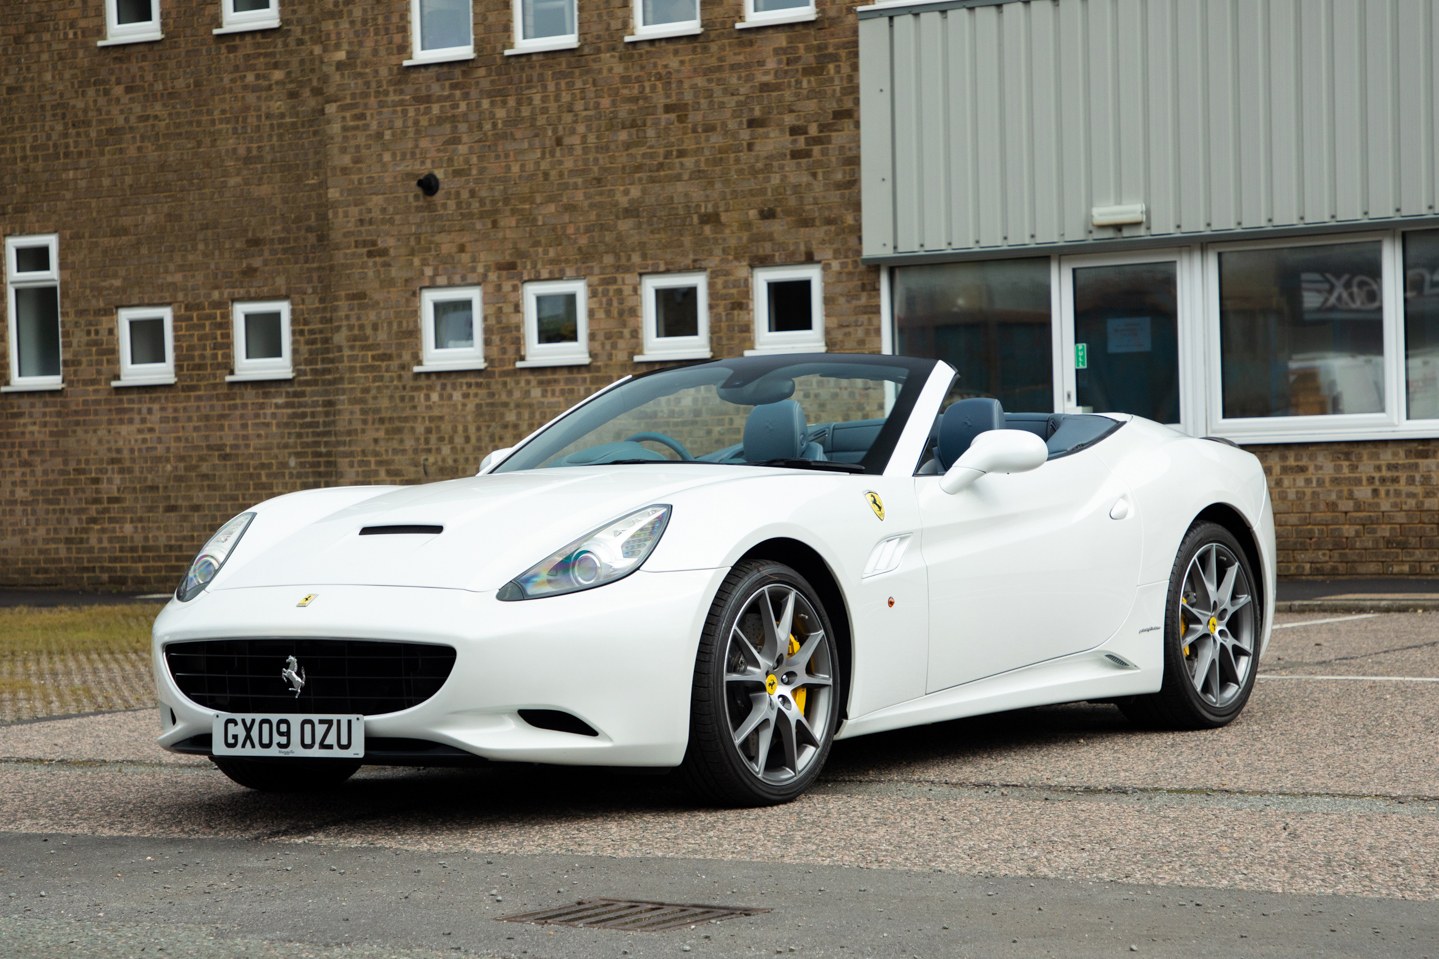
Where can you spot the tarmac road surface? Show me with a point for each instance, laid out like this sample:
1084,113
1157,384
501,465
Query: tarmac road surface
1309,827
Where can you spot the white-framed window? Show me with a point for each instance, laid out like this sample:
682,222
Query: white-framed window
147,346
545,25
262,341
764,13
675,308
131,21
237,16
557,327
441,30
1308,336
788,309
1313,338
452,333
655,19
32,288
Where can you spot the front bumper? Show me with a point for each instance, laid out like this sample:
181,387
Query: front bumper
620,657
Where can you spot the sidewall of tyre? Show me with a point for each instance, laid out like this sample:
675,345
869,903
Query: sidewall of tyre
713,768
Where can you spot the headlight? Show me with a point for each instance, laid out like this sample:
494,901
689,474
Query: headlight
212,557
609,553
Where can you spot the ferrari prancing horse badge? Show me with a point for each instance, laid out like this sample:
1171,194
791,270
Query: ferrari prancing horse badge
875,503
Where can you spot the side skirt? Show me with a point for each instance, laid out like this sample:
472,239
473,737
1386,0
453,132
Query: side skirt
1129,663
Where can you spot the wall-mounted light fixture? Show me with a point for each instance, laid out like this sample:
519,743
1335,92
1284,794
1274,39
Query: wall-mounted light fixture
429,184
1128,214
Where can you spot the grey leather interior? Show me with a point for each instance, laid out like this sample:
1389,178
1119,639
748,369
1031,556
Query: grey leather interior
962,422
778,431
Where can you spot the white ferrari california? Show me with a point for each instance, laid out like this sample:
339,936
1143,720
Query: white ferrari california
723,568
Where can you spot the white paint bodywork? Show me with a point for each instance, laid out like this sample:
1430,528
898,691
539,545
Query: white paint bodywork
1021,590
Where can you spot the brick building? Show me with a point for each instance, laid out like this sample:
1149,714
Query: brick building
223,281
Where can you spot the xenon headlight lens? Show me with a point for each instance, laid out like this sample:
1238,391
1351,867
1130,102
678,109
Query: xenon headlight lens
609,553
209,560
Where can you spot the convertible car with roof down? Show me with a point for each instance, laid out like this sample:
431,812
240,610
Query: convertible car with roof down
722,569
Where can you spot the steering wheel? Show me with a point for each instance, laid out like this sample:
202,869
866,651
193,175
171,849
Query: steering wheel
663,440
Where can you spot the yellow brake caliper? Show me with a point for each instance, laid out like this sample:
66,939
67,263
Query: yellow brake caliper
799,694
1183,626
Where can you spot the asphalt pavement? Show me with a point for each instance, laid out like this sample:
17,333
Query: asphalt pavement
1309,827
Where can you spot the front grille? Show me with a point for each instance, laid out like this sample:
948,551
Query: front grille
340,675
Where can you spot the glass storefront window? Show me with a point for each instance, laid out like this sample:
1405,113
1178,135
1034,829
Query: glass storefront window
1421,323
1302,330
989,320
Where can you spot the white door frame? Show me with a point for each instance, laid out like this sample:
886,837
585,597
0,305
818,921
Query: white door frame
1189,300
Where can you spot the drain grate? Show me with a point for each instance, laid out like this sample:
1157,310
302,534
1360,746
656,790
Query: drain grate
634,915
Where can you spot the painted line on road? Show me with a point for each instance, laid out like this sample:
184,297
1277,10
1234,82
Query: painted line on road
1317,622
1359,679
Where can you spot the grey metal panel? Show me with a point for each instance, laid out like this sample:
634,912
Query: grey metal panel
1045,123
1002,125
1412,66
876,138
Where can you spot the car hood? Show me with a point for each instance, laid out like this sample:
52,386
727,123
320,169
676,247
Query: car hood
494,527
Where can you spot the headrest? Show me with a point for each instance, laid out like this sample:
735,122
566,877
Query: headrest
774,431
962,422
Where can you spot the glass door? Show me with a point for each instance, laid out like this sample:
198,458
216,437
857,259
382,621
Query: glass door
1120,328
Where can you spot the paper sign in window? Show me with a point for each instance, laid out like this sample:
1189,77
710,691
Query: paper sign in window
1129,335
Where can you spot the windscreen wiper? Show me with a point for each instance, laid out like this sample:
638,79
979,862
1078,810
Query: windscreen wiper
795,462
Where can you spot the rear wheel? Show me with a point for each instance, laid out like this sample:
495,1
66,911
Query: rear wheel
765,700
287,775
1211,636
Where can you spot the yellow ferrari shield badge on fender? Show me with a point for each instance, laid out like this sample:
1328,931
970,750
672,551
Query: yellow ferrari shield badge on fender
875,503
310,598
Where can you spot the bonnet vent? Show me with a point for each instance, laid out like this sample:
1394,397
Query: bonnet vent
401,530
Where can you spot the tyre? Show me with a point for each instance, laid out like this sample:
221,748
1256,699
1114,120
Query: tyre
766,694
287,775
1211,636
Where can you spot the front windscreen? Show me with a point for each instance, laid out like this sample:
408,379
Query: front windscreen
838,412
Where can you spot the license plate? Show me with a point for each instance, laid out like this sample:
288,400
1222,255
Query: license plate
279,734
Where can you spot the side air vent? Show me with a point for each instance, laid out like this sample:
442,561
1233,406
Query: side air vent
559,721
402,530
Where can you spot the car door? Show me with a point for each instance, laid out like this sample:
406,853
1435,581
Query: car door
1024,567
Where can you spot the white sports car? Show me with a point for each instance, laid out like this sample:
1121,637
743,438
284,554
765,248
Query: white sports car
724,568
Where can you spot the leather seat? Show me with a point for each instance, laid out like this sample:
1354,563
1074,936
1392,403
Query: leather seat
962,422
778,431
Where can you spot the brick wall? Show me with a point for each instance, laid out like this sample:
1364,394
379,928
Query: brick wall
202,169
1355,509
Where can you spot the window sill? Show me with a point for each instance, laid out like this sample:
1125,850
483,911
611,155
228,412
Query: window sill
144,381
543,46
798,16
453,55
259,377
247,27
138,38
449,367
786,348
554,361
660,33
676,355
31,387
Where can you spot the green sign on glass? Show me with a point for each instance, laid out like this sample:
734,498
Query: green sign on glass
1081,356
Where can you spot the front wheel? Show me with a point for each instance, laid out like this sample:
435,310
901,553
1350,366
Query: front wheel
1211,636
287,775
765,700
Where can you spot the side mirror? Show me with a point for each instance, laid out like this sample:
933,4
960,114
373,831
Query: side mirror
995,451
494,459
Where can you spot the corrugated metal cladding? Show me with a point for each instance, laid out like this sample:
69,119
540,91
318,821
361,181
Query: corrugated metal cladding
1002,124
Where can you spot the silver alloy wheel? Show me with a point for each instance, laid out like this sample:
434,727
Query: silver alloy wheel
779,682
1217,626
